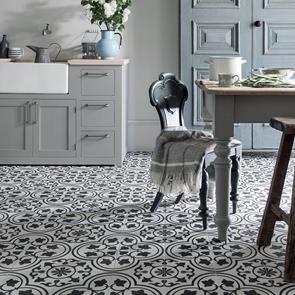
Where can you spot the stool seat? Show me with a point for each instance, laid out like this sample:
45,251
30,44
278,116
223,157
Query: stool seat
284,124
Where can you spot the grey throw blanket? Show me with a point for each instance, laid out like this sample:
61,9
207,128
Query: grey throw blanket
178,158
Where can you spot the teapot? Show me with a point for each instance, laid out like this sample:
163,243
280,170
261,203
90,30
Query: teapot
42,54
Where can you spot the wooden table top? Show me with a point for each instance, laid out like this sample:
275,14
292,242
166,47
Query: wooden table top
212,87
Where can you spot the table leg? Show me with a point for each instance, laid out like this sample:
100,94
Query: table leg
222,166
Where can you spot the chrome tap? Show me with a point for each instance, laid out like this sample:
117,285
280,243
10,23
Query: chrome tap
46,31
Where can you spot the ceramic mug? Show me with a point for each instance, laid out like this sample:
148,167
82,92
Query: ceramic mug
227,80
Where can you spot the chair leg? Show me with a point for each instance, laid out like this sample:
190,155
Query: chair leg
235,175
203,197
157,201
274,198
290,257
178,198
211,184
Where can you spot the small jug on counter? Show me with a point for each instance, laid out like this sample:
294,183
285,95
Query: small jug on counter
108,47
4,47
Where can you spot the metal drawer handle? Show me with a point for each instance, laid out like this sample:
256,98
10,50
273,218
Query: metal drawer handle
27,112
97,105
97,136
36,115
97,74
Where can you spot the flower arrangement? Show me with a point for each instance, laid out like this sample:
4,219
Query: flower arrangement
111,13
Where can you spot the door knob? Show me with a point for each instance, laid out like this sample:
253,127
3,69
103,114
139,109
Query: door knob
258,23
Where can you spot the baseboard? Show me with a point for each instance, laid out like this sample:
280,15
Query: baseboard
141,134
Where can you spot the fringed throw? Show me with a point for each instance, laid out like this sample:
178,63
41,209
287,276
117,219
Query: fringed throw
178,159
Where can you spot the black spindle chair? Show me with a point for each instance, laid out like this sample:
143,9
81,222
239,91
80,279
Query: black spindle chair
168,95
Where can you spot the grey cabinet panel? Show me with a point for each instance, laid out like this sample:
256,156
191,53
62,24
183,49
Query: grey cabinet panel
97,82
97,144
97,113
15,131
54,128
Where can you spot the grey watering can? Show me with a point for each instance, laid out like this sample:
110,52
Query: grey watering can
42,54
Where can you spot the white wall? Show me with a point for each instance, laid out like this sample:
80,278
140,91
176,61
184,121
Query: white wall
150,41
153,48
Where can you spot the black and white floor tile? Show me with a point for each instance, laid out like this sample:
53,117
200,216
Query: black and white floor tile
88,231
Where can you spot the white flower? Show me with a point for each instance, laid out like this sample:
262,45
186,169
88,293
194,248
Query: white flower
113,5
110,8
126,13
101,2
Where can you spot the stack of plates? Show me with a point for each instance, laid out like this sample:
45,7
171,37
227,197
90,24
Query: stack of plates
15,53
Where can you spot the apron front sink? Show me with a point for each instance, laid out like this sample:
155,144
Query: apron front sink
34,78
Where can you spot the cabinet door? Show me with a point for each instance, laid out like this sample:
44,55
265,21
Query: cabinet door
213,27
15,128
54,124
273,46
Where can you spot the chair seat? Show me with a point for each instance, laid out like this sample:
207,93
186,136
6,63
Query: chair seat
234,143
284,124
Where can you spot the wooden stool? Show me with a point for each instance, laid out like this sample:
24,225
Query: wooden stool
273,212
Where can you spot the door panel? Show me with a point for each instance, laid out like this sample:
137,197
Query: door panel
216,3
54,128
204,32
209,37
15,130
273,46
274,41
265,137
282,4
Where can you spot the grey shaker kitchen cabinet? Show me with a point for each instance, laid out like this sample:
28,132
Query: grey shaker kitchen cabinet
86,126
15,128
33,129
262,31
101,112
54,128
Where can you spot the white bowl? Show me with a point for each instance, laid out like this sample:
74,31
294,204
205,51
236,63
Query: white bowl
284,72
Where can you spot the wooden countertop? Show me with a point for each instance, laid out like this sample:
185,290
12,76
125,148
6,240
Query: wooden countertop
103,62
212,87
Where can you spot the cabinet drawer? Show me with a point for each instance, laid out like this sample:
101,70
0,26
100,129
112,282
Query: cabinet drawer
97,113
98,144
97,82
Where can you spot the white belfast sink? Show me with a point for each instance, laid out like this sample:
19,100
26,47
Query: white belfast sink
25,77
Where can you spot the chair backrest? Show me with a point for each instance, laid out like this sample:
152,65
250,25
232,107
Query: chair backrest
168,96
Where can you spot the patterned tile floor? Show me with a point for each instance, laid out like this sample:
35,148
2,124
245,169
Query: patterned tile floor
88,231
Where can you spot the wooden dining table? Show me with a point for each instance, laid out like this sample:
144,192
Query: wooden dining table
226,106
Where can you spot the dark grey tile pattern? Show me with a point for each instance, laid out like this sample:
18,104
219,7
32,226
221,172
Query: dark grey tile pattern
88,231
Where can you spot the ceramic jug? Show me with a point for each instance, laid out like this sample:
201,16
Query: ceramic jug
108,47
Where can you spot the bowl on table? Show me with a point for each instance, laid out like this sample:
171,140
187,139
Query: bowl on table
284,72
